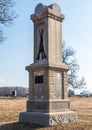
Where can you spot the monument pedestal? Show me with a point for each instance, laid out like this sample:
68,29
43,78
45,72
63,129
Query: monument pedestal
48,119
48,102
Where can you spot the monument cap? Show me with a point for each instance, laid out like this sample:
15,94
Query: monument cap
56,9
40,9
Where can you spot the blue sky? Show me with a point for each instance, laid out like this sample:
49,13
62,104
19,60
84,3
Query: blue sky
17,51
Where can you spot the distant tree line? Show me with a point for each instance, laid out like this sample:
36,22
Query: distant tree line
8,91
70,93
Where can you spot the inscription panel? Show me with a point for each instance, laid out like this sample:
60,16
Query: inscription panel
39,79
57,84
39,85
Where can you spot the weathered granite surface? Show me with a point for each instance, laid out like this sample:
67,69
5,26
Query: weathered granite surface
48,119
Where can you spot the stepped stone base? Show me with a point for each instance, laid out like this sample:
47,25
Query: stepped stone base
48,119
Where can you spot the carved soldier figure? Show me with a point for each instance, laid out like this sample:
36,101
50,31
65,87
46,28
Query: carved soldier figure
41,53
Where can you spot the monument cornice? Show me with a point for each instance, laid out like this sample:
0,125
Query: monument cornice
47,14
63,67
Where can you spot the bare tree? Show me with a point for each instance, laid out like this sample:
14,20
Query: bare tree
7,15
80,84
68,55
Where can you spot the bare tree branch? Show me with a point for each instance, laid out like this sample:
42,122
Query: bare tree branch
7,15
68,55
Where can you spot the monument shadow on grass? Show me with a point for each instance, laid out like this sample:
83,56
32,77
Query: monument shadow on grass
20,126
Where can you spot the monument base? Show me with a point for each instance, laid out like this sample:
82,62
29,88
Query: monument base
48,119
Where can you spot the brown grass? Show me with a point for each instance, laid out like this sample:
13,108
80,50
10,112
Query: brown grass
11,107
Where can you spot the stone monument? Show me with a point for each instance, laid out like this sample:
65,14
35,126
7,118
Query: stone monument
48,102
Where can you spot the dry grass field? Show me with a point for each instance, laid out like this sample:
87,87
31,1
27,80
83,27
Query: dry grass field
11,107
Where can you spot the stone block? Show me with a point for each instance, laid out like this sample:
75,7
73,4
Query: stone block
48,119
